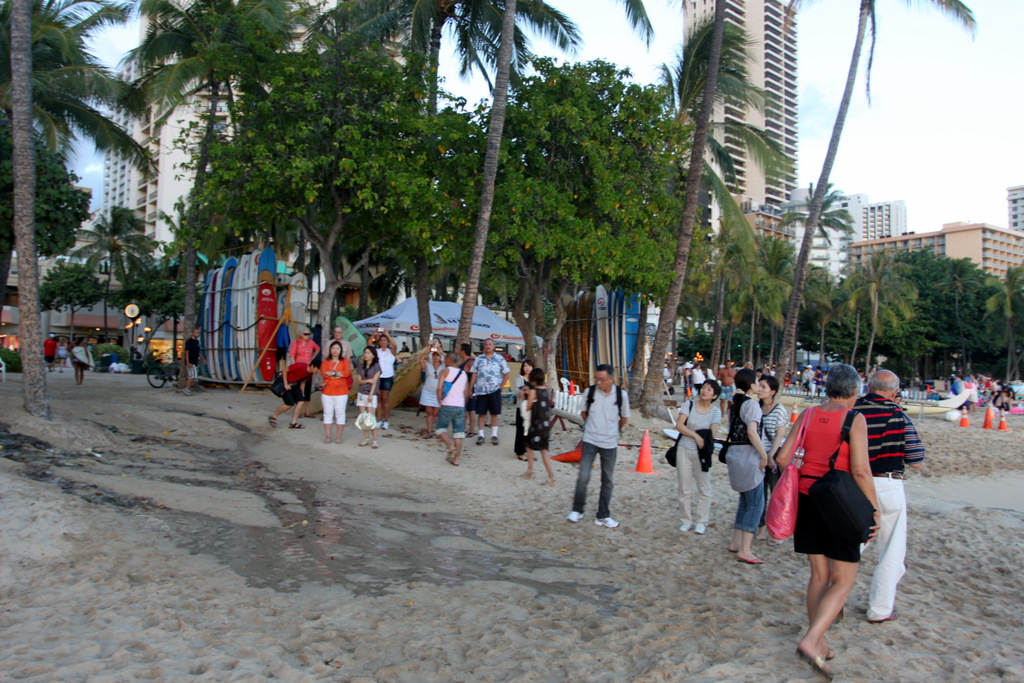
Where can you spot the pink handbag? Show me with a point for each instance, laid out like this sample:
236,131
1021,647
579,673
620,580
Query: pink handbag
781,515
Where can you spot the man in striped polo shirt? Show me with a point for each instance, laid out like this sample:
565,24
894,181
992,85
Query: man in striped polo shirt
893,444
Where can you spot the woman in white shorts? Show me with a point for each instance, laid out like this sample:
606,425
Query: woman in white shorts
337,377
432,363
368,371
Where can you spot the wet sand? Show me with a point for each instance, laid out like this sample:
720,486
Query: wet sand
193,542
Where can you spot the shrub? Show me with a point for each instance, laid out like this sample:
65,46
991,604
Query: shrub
103,349
12,359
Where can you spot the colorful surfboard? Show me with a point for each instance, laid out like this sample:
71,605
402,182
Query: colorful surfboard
266,309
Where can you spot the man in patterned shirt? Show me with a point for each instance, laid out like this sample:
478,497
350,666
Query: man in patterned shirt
893,444
489,374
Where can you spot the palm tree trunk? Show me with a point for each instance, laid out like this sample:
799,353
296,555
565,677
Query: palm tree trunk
651,404
874,331
960,325
1009,348
748,355
36,398
856,342
494,132
191,227
422,279
106,297
364,290
716,345
821,345
814,210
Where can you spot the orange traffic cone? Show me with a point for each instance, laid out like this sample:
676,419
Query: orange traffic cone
575,455
688,393
643,463
794,415
989,417
964,420
1002,421
572,388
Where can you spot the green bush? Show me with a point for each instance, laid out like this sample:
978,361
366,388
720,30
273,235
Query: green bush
12,359
103,349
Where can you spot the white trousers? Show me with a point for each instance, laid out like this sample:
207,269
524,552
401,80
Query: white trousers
334,408
690,477
892,547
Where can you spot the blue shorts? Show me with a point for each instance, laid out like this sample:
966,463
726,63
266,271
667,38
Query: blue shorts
727,393
453,416
386,383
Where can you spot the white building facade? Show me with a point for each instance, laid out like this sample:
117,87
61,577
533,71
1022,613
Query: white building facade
773,67
1015,207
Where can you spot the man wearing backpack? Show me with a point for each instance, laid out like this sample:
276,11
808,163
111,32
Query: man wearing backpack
606,411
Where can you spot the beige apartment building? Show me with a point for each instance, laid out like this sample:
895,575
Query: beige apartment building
773,67
993,248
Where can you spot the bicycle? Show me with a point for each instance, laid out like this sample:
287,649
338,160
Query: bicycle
160,375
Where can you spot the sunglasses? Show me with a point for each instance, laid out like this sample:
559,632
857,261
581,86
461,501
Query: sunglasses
305,334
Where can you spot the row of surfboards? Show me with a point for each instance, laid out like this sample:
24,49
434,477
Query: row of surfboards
602,327
241,310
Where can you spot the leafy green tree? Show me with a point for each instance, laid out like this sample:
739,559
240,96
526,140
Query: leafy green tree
343,146
1007,306
70,285
60,207
118,239
865,20
883,286
582,195
961,277
158,295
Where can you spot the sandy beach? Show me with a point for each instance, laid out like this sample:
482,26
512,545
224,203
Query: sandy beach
147,535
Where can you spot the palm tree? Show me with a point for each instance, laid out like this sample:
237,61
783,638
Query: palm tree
37,401
961,276
120,240
651,403
958,11
1008,304
823,301
182,56
881,283
71,89
775,261
685,79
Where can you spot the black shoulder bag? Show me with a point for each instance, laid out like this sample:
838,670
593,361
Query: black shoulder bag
842,504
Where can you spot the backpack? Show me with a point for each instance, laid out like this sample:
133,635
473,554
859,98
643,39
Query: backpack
590,398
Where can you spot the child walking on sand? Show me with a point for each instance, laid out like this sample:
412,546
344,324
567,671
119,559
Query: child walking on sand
539,409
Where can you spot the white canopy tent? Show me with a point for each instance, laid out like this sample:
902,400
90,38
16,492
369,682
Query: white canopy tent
444,317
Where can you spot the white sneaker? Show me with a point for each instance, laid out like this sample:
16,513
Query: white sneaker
574,516
384,425
684,528
699,529
606,521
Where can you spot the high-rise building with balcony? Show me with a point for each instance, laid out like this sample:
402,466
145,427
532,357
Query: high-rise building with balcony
1015,207
884,219
773,67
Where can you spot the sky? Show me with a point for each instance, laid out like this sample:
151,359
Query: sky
943,132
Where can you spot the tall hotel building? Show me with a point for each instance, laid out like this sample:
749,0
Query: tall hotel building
1015,207
772,67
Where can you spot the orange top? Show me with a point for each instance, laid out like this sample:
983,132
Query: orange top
336,386
820,441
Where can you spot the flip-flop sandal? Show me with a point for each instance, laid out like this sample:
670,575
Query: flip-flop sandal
296,425
549,482
273,421
522,457
818,664
774,542
756,560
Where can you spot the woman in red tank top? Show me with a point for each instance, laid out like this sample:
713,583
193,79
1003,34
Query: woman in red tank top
833,560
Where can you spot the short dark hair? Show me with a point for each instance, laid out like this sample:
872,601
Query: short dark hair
604,367
536,376
467,348
771,381
713,384
745,378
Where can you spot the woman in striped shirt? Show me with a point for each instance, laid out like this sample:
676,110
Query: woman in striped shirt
773,430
